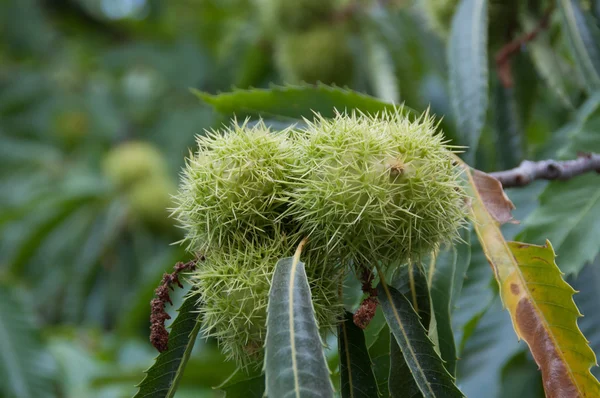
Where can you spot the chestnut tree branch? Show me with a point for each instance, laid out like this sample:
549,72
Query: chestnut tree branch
529,171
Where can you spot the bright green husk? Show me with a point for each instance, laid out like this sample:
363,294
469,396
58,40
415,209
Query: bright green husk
234,290
363,189
378,189
321,54
235,186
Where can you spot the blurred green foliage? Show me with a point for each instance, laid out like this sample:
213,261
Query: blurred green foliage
81,253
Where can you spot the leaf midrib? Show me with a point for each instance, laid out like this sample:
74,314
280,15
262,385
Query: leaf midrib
408,345
568,9
347,352
291,322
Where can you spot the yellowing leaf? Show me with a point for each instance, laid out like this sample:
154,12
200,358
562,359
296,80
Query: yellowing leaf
540,304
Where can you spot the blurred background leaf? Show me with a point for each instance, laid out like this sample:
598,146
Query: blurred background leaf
81,252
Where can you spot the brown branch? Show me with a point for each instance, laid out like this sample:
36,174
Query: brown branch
504,55
529,171
366,311
159,336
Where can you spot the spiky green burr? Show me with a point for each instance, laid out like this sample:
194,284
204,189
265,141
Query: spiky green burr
235,187
378,189
234,287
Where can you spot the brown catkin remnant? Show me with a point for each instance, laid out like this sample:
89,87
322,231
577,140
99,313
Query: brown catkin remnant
159,336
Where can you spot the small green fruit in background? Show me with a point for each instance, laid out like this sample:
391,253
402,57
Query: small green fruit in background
150,199
132,162
234,289
321,54
235,186
379,189
299,15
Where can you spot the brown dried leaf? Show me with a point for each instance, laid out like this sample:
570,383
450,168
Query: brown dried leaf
495,200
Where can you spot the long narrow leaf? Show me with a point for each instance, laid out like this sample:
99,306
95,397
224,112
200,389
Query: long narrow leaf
356,372
401,383
292,103
508,128
468,63
163,377
425,364
295,364
411,281
381,72
584,37
490,344
547,62
446,284
379,350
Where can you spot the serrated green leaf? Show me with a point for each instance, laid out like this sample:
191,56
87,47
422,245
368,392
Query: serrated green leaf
468,63
163,377
446,284
295,364
358,379
568,214
292,103
545,316
538,300
24,363
568,211
430,375
584,37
